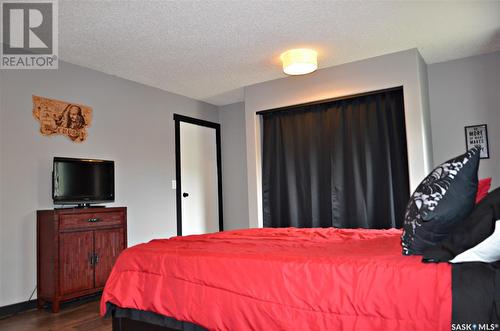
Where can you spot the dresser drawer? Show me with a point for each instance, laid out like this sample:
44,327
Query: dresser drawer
90,220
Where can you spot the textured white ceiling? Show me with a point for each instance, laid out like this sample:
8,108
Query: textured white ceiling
209,50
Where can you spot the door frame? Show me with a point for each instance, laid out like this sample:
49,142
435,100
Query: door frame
178,181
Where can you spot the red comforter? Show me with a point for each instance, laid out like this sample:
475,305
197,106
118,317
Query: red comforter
284,279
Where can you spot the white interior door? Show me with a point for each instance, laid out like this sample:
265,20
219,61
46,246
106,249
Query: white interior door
199,181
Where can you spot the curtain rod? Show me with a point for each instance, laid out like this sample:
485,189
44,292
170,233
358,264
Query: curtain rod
345,97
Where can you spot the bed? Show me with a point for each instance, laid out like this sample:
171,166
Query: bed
278,279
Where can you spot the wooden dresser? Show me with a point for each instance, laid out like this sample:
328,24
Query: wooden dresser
76,250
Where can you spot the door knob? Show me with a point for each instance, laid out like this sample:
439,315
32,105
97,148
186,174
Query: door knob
185,195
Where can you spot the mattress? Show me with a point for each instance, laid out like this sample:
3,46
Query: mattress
284,279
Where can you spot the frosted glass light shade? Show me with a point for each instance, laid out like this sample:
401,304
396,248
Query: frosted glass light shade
299,61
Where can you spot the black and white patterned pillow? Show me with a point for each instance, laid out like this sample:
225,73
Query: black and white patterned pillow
443,198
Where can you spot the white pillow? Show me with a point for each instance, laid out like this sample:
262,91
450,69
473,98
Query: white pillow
486,251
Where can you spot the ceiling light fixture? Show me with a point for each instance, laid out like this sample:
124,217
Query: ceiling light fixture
299,61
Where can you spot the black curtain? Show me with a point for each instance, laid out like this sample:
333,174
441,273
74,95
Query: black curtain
341,163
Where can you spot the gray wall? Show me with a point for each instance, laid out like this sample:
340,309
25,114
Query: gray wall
425,104
133,125
234,165
466,92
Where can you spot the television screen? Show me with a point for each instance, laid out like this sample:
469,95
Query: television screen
83,181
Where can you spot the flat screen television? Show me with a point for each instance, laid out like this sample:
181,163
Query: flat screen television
82,181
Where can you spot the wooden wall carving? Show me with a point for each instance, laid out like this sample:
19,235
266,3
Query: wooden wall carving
62,118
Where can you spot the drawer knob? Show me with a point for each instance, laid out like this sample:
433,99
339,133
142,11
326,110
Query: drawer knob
94,219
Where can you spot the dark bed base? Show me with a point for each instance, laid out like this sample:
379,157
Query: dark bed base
126,324
125,319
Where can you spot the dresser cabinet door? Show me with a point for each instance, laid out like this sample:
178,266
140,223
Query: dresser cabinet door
77,273
108,245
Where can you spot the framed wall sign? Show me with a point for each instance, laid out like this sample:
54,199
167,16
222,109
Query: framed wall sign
477,135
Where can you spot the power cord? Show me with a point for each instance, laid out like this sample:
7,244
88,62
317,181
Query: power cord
32,293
